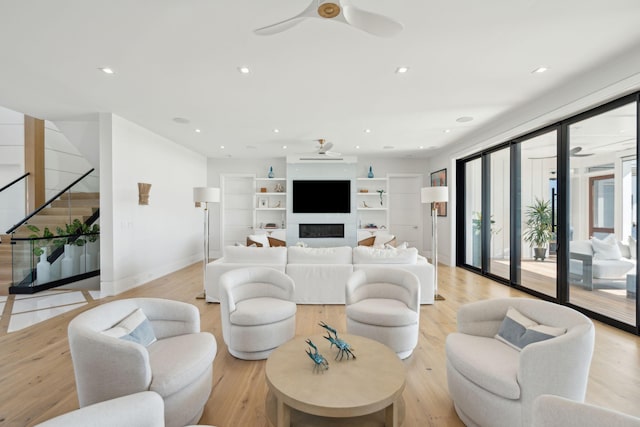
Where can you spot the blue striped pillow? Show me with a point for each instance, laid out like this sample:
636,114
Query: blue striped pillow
135,327
518,331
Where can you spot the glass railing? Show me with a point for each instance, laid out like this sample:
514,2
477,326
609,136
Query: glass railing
45,262
12,202
58,242
61,210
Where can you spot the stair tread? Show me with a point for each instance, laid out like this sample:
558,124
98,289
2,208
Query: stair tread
76,203
79,195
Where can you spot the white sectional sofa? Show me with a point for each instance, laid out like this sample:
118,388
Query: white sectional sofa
600,262
321,274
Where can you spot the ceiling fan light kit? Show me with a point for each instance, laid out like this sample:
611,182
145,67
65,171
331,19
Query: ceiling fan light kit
341,11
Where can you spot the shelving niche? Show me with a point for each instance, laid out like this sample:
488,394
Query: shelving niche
270,205
372,214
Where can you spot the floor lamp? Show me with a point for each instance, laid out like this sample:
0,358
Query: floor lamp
205,195
435,196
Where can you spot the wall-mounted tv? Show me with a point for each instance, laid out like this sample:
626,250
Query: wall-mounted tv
320,196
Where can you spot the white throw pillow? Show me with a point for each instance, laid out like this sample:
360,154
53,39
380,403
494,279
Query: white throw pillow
135,327
518,331
260,238
632,248
606,248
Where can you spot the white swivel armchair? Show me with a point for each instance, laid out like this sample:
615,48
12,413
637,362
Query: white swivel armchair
384,304
178,365
493,384
554,411
144,409
257,311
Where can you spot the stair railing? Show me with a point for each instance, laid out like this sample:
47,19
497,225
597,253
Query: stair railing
42,243
12,200
48,202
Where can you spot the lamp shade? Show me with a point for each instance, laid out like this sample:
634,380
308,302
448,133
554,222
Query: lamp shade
206,194
434,194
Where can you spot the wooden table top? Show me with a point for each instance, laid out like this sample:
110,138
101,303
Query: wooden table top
353,387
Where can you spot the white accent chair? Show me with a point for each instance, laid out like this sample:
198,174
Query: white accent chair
178,366
384,305
257,311
144,409
494,385
554,411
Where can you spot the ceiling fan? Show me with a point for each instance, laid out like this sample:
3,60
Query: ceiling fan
325,148
340,11
574,152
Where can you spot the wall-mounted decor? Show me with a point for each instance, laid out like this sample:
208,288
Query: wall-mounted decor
439,179
143,193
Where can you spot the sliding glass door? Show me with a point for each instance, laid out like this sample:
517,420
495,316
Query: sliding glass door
602,212
538,213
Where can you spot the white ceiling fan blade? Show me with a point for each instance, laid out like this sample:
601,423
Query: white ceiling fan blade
278,27
327,146
333,154
370,22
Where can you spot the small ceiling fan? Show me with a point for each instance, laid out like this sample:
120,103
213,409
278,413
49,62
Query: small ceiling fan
340,11
325,147
574,152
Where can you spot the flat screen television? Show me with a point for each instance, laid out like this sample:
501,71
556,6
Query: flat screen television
320,196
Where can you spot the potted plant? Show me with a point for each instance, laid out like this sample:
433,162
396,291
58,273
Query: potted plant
538,231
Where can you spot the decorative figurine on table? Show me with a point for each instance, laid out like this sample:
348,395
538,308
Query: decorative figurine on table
278,188
343,347
319,360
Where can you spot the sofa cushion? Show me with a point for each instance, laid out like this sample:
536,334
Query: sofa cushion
179,361
581,247
367,255
262,311
606,248
632,248
486,362
518,331
336,255
382,239
612,269
254,255
382,312
135,327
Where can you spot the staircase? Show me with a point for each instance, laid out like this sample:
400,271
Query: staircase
64,210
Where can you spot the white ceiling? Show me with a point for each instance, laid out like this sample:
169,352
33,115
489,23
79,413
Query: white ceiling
320,79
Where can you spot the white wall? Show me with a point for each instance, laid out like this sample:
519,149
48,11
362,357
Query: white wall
64,163
11,167
141,243
260,167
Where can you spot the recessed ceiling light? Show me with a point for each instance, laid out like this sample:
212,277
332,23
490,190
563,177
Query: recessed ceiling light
106,70
222,147
357,147
402,70
447,130
181,120
421,147
539,70
367,131
197,130
244,70
464,119
276,130
284,147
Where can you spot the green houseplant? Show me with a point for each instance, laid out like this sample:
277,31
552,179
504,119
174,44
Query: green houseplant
539,231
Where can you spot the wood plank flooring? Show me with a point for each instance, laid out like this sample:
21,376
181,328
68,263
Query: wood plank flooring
37,381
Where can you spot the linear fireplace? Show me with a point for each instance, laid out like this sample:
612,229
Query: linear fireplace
321,231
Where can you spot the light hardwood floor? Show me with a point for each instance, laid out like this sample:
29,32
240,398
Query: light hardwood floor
37,382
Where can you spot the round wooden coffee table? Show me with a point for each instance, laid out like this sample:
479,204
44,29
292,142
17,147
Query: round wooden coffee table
366,390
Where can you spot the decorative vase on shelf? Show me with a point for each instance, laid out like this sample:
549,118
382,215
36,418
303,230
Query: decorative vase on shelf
43,269
67,262
270,175
85,260
370,175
